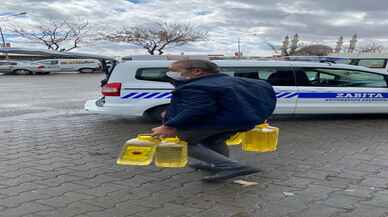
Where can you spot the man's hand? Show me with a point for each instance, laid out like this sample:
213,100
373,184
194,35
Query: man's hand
164,131
163,114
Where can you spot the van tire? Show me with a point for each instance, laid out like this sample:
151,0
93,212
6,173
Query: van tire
155,114
21,72
86,70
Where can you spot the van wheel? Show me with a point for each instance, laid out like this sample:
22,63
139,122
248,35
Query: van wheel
22,72
155,114
86,70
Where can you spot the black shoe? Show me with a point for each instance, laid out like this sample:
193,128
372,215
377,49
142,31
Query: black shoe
204,166
227,174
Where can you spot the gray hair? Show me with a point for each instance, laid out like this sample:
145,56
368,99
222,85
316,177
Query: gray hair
205,65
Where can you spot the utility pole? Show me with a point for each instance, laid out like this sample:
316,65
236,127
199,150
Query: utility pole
238,48
239,53
2,38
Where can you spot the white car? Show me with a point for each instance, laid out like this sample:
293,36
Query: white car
12,67
6,66
137,88
71,65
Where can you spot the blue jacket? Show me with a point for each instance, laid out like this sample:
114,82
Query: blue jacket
219,101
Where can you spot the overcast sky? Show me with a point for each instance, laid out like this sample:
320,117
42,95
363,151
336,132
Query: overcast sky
254,21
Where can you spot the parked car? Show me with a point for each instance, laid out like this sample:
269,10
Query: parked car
22,68
6,66
71,65
141,88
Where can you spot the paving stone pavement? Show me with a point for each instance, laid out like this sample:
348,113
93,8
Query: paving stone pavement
64,165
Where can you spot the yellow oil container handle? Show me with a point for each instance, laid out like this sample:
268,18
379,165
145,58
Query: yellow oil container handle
265,125
171,139
147,137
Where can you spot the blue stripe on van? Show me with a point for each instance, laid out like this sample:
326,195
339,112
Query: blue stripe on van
291,95
129,95
151,95
279,95
140,95
147,95
343,95
163,95
286,94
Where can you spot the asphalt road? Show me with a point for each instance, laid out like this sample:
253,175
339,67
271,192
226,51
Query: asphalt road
58,160
49,93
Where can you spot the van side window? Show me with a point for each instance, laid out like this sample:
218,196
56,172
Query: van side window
278,76
246,72
275,76
152,74
329,77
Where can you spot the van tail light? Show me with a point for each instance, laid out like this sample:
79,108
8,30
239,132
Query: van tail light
40,66
111,89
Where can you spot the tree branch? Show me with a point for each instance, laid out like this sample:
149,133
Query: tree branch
157,36
55,35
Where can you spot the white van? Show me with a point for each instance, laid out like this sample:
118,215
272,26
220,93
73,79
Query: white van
71,65
141,88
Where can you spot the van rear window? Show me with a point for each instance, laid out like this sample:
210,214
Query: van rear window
152,74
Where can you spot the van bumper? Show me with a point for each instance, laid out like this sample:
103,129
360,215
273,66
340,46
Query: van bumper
95,106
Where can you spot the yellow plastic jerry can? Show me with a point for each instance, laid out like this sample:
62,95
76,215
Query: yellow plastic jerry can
171,152
263,138
138,151
235,139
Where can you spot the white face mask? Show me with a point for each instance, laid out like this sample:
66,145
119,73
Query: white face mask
176,76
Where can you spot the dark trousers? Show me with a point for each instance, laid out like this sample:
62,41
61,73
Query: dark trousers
209,146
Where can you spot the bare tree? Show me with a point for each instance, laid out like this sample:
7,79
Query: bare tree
273,47
55,35
372,47
158,36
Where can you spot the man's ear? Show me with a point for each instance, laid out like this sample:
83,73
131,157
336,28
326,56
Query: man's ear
197,72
